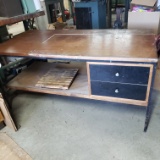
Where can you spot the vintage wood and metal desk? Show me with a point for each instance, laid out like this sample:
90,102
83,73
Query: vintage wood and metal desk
114,65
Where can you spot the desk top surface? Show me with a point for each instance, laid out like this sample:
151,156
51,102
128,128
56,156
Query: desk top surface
118,45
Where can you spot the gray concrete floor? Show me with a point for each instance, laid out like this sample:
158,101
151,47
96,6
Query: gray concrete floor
66,128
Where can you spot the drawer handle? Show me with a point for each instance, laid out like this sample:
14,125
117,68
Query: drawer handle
116,90
117,74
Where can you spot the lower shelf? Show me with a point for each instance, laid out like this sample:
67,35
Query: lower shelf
28,79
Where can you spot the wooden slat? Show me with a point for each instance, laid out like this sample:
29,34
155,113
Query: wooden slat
7,117
9,150
15,19
1,117
60,78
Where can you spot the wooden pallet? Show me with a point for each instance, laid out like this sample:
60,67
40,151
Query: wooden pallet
59,78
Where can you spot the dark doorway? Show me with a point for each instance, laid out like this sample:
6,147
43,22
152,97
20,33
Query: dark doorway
52,13
83,18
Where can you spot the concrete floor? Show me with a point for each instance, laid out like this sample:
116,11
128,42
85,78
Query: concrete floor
65,128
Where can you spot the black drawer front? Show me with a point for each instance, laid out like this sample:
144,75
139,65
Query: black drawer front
122,74
136,92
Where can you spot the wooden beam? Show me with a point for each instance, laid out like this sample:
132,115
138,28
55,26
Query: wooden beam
7,116
11,20
1,117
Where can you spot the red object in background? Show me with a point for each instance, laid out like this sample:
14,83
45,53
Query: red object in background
67,13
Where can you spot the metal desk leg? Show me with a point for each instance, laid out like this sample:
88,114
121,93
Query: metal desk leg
148,116
109,14
127,6
25,23
150,106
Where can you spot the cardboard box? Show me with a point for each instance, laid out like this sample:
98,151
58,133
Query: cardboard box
147,3
144,20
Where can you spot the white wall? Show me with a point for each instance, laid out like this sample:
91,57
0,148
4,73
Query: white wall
66,4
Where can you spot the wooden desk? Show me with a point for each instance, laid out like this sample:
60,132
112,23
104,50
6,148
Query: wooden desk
10,20
28,21
114,65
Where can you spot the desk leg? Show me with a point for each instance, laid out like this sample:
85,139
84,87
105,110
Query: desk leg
29,24
150,105
127,6
25,23
148,116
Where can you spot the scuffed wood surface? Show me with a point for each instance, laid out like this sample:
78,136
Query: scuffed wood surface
59,78
15,19
118,45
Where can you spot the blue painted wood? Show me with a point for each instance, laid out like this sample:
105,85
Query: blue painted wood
136,92
84,18
121,74
98,13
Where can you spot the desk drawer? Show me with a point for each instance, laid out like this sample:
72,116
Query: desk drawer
136,92
121,73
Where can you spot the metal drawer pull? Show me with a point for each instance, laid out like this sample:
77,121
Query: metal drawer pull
117,74
116,90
